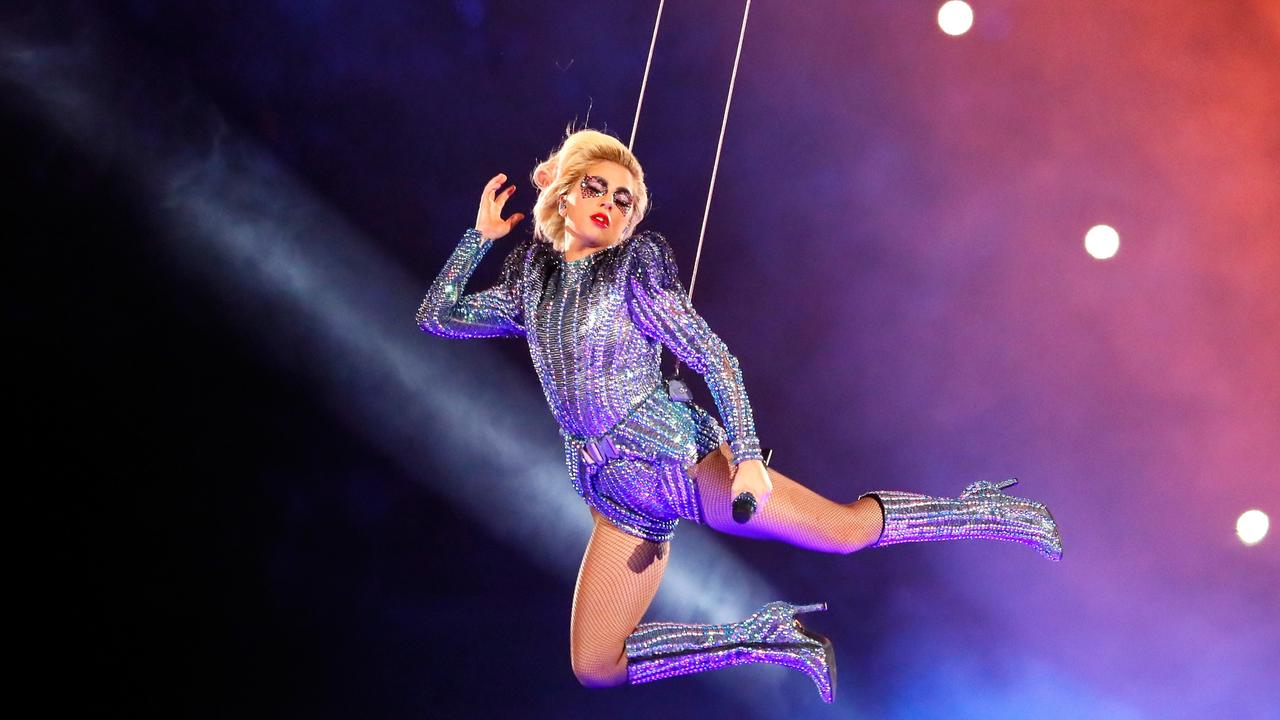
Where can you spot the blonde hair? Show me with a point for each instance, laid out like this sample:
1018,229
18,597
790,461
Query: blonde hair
560,173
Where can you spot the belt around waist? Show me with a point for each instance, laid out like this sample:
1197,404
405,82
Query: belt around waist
600,449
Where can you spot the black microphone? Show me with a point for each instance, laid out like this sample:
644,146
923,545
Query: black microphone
744,506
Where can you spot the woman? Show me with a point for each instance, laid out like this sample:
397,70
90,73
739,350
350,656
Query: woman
596,304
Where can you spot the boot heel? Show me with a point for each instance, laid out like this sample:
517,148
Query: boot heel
802,609
986,486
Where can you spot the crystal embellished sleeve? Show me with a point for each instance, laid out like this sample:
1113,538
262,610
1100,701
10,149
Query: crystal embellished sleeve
660,307
490,313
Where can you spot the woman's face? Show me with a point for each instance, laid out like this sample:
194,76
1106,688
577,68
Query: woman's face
600,205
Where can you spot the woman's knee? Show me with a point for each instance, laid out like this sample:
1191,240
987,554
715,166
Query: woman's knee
597,669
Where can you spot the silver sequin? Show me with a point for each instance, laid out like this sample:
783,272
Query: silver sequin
657,650
596,338
982,511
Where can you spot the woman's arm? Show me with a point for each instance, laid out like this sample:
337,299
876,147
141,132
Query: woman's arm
660,307
494,312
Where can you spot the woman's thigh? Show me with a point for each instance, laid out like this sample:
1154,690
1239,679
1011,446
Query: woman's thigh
619,576
794,514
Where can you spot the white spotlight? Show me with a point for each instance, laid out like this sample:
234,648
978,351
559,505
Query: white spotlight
1102,242
955,17
1252,526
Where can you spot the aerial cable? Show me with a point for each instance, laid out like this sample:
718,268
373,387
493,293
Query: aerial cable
635,124
715,166
724,122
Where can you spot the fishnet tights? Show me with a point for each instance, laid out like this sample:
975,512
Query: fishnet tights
620,573
794,514
618,578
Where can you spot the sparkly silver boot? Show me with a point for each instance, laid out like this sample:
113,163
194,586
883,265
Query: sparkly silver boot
771,634
981,511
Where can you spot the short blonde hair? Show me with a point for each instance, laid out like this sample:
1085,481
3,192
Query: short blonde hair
560,173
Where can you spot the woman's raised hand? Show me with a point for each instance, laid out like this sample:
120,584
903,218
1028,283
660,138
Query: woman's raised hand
489,218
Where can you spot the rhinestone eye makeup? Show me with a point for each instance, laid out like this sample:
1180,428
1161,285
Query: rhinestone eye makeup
594,186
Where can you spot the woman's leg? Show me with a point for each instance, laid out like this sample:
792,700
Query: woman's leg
794,514
619,576
799,516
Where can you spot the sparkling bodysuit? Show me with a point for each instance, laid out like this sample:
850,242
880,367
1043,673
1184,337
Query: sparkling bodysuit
595,328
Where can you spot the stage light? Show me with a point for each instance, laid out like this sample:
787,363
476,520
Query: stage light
298,278
1252,526
1102,242
955,17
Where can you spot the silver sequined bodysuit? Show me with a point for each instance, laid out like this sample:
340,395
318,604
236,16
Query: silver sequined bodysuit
595,328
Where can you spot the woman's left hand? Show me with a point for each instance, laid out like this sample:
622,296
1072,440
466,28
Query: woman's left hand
752,477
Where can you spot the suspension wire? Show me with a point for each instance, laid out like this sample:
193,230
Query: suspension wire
645,82
724,122
719,143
